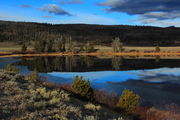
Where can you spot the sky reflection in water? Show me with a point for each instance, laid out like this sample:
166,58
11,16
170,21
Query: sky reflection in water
121,76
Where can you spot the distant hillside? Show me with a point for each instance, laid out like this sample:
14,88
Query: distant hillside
99,34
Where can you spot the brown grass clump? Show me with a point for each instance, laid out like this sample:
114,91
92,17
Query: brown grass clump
157,114
109,99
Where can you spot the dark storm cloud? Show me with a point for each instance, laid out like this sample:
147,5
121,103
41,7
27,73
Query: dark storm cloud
142,6
25,6
159,9
55,9
71,1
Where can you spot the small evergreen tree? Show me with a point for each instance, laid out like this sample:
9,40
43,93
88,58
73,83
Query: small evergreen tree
63,44
49,46
60,46
23,48
36,46
82,87
157,49
70,44
128,100
81,48
86,47
121,49
40,45
89,48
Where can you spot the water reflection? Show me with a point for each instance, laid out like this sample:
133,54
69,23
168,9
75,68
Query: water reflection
117,62
91,63
157,59
156,80
60,64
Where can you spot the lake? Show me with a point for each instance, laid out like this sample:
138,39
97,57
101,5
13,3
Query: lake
156,80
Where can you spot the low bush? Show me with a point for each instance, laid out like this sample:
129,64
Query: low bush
12,68
128,100
83,88
92,107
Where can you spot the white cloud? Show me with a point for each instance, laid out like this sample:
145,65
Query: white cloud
53,8
151,12
141,6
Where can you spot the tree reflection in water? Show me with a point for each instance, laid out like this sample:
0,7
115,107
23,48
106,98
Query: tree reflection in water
60,64
117,62
92,63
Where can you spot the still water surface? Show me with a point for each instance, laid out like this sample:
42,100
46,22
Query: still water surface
156,80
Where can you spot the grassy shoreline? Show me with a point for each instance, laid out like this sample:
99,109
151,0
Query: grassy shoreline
14,50
140,54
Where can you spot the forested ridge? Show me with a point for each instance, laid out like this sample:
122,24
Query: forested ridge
21,32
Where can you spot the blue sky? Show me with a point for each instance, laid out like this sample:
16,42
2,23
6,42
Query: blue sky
108,12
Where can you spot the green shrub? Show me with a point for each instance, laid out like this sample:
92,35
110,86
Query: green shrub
12,68
82,87
128,100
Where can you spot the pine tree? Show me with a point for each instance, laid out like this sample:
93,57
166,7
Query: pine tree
63,44
24,48
70,44
89,48
36,46
81,48
49,46
157,49
128,100
82,87
60,46
40,45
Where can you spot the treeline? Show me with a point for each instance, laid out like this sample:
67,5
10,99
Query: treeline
61,43
21,32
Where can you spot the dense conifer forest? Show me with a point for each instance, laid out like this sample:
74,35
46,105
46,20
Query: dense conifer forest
21,32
